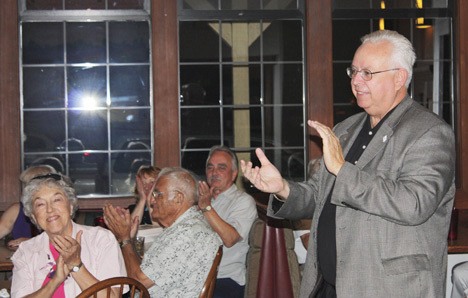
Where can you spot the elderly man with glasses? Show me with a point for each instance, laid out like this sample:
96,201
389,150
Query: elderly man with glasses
381,201
178,261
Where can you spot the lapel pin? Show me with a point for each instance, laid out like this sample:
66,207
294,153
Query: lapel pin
384,138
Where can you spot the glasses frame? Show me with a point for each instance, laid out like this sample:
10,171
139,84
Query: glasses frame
365,74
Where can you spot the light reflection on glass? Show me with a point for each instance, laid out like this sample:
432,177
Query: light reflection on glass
89,102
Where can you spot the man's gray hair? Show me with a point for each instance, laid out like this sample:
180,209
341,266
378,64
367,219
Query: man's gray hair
403,54
51,180
182,180
222,148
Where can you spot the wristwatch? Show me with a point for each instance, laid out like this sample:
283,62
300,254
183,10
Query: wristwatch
207,208
77,267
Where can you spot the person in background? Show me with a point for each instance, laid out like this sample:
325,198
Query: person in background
145,181
179,259
66,257
231,213
460,281
382,200
13,219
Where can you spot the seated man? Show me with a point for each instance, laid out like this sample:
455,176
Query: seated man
178,261
231,213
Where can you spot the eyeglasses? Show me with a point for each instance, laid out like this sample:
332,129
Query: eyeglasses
365,74
56,177
157,194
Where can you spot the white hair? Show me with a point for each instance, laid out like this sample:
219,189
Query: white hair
403,54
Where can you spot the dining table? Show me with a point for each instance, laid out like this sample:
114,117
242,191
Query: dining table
149,232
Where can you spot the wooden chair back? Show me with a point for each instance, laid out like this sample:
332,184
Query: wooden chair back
134,287
210,282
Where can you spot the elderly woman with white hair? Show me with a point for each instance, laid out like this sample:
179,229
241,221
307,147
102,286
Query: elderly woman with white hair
67,257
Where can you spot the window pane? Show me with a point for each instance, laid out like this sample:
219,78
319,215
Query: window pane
130,125
54,161
281,4
124,168
346,37
42,43
402,26
256,119
283,83
246,84
363,4
199,84
262,69
44,4
43,130
198,123
87,87
343,94
89,127
128,42
129,86
200,5
125,4
282,41
86,42
89,173
37,91
89,120
85,4
199,41
240,4
284,126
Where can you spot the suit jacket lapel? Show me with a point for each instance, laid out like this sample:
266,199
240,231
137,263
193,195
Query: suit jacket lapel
379,141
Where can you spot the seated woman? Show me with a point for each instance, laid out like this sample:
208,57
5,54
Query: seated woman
67,257
13,219
145,180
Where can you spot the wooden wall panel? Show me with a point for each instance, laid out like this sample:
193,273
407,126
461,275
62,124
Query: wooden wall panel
165,83
319,75
461,58
10,161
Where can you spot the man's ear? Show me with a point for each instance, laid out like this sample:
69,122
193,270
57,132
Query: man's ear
400,78
234,175
179,198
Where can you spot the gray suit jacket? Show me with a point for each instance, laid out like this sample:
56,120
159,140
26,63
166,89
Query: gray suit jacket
393,207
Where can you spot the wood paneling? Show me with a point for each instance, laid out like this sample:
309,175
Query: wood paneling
461,58
9,105
165,83
319,74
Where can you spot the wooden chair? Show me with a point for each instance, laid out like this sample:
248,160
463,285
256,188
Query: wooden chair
107,284
210,282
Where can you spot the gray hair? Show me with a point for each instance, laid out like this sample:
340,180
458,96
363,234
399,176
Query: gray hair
403,54
49,180
183,181
222,148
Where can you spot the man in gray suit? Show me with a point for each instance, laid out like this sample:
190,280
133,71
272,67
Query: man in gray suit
381,201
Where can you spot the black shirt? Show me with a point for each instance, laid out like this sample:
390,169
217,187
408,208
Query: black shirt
326,233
